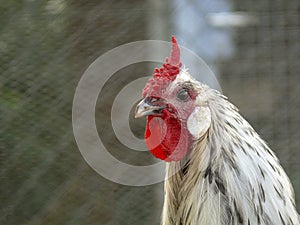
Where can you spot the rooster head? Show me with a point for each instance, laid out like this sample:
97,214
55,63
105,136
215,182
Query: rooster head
177,110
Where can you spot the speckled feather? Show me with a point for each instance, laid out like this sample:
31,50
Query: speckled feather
232,176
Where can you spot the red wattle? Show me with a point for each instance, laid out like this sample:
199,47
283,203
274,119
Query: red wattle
165,139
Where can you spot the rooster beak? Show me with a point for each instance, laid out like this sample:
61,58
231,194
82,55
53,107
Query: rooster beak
145,108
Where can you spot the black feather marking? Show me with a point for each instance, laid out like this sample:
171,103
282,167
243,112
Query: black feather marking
229,159
281,218
256,152
229,214
185,168
258,218
244,150
252,191
278,193
262,192
239,216
267,219
189,212
281,185
209,174
249,146
219,183
269,151
260,205
272,166
261,171
290,221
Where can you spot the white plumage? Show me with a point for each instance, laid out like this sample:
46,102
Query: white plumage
231,177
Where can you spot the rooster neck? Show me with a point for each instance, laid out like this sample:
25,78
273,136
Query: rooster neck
232,177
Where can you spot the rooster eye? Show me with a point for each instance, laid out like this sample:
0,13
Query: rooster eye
183,95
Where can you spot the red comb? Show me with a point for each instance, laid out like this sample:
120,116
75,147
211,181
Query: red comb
175,53
167,73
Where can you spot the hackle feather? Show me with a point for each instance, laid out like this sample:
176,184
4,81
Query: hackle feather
232,177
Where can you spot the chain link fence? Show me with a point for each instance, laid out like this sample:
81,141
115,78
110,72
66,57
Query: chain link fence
45,47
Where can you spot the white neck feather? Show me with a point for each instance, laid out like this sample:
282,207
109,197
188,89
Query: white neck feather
232,178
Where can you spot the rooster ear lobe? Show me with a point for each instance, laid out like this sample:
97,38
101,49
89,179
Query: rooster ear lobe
199,121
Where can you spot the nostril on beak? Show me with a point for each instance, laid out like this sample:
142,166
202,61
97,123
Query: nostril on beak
146,109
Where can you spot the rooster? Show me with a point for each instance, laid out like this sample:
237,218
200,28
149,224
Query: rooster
219,171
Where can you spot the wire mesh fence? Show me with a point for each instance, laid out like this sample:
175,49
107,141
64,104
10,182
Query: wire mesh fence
45,47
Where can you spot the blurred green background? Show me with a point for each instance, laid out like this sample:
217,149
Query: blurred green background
46,45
